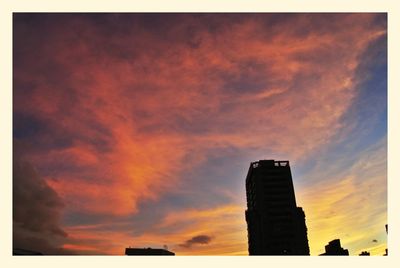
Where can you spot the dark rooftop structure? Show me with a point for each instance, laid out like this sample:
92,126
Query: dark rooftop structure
147,251
334,248
20,251
275,225
386,250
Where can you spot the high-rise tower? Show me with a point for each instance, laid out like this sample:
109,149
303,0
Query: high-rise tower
275,225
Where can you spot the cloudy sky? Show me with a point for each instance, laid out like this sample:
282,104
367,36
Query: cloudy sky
138,129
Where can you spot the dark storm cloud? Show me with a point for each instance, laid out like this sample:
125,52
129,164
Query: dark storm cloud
200,239
36,209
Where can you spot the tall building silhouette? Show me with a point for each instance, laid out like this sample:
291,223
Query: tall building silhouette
275,225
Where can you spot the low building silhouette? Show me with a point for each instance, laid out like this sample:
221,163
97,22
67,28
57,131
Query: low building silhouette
334,248
364,253
20,251
386,250
275,225
147,251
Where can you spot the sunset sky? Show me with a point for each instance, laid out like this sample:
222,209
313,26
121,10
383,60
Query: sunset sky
138,129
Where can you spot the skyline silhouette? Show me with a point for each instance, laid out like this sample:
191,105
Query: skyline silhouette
137,128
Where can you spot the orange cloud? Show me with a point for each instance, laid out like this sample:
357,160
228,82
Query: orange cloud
139,107
225,225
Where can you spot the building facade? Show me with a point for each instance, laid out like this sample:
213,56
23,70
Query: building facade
275,225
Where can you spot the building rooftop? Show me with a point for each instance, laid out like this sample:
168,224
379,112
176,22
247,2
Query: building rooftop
147,251
20,251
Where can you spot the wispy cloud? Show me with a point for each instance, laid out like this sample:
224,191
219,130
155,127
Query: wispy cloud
345,205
